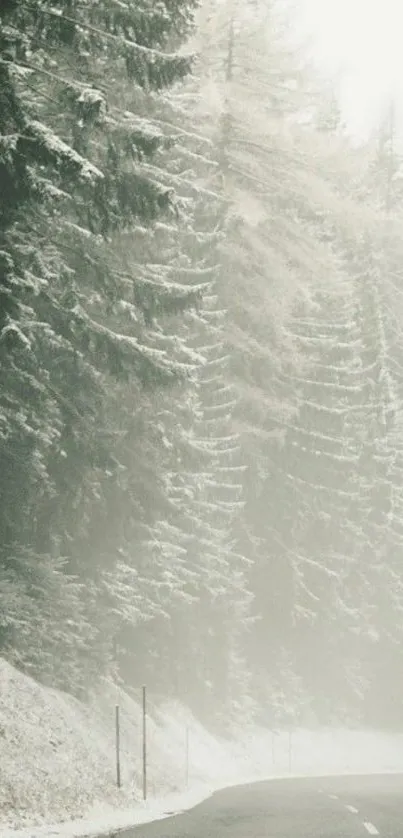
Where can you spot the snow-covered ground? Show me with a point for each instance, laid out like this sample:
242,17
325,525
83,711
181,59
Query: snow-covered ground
57,759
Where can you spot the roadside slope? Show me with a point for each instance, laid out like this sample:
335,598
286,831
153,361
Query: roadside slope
57,754
57,758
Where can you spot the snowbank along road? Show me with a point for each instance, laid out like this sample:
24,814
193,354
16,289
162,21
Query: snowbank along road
336,807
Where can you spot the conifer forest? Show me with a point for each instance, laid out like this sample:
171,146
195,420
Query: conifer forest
201,365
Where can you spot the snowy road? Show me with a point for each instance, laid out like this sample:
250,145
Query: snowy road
337,807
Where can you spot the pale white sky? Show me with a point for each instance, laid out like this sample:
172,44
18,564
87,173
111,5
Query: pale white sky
362,42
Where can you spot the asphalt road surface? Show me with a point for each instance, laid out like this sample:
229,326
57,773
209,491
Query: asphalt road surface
336,807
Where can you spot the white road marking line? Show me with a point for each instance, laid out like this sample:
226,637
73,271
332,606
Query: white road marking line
352,809
371,828
333,796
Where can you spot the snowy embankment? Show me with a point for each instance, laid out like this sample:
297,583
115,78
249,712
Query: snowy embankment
57,759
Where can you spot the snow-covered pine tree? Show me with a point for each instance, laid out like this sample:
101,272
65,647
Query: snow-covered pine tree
77,82
262,271
379,271
364,396
162,464
287,267
202,576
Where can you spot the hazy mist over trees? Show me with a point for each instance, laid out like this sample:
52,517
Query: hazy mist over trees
201,365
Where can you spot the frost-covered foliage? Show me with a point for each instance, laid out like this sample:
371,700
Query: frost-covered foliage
200,373
84,182
111,525
314,366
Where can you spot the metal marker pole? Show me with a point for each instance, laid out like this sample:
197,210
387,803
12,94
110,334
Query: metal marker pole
187,756
290,750
117,741
144,744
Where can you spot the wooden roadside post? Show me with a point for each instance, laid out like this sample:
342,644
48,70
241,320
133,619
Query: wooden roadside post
289,750
187,755
117,744
144,744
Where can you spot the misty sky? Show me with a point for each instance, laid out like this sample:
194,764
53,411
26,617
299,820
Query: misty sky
361,41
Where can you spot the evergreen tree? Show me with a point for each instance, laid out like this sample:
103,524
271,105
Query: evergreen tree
77,82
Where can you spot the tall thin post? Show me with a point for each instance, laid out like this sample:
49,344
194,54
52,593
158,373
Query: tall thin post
144,744
117,741
187,756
